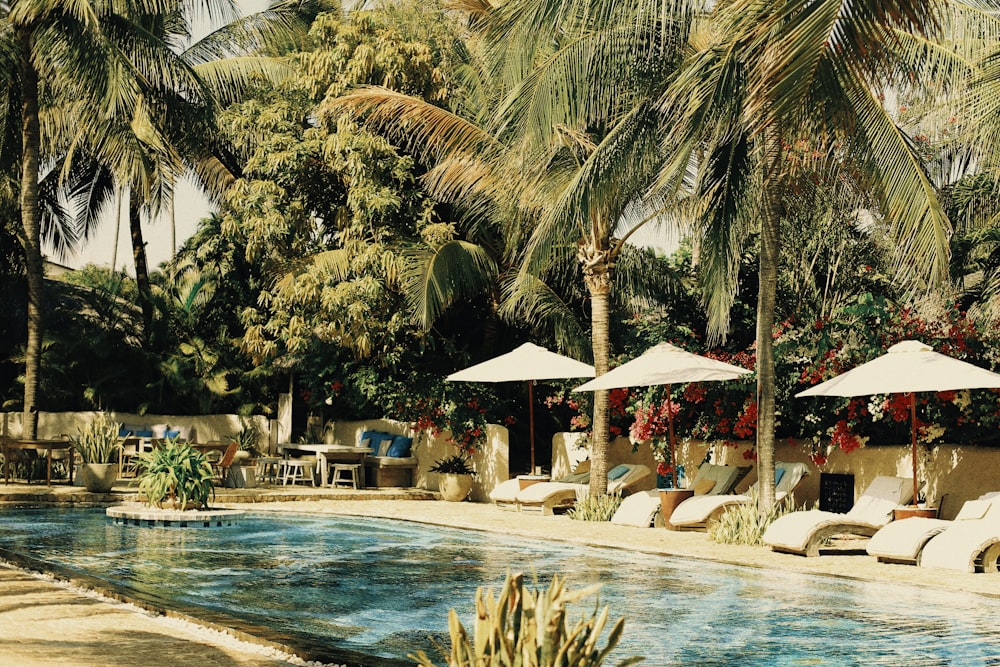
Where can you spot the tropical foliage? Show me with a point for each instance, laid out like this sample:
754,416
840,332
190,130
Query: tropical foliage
531,628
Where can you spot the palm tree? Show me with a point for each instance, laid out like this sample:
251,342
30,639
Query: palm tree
55,49
570,142
781,87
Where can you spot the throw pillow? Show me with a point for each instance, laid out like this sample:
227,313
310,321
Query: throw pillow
400,447
778,474
703,486
618,471
373,438
583,466
973,509
383,446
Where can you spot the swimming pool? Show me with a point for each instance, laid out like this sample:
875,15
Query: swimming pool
380,587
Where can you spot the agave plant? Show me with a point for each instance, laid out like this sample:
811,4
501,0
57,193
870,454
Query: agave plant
530,628
176,472
98,442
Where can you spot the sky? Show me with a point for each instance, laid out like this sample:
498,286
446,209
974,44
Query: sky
190,206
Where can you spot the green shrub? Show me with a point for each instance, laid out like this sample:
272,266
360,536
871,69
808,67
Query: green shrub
742,523
596,507
98,442
176,472
530,629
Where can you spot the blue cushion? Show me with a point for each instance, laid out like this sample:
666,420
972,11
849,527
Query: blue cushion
144,433
124,432
372,437
400,447
618,471
778,474
173,434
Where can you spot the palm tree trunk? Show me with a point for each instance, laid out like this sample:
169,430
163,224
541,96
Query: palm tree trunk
596,273
118,227
141,270
30,232
768,278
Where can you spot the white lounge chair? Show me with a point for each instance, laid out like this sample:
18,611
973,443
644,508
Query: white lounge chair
904,541
969,544
805,532
504,495
697,512
548,497
641,509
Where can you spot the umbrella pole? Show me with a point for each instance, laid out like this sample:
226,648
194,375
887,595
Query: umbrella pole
673,445
531,424
913,438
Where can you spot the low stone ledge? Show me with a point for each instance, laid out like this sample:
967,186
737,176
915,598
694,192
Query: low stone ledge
140,515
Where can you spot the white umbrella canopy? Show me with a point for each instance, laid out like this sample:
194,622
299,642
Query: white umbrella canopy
907,368
527,363
665,364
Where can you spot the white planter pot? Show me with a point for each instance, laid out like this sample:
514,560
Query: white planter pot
98,477
454,487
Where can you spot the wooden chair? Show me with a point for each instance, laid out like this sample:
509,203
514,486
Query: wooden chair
226,462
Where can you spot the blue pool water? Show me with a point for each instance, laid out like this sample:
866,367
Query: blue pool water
381,587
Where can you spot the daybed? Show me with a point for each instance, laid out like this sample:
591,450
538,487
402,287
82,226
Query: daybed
805,532
697,512
967,545
548,497
904,541
391,462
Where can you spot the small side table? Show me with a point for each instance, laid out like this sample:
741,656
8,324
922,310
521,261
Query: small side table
669,500
910,511
527,480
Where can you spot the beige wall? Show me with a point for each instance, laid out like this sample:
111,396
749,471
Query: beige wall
955,473
206,427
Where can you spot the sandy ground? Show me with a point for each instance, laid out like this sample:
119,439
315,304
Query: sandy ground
47,622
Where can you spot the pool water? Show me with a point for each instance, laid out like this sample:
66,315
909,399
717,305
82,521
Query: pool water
381,587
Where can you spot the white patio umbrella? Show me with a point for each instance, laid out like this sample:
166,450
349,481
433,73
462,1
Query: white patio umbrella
665,364
527,363
906,368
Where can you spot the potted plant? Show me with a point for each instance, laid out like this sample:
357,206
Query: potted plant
454,477
178,473
98,445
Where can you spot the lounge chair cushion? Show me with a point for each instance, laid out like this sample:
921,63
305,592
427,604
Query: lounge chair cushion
576,478
618,471
703,486
973,509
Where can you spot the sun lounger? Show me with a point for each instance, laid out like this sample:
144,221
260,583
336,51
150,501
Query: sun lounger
504,495
641,509
697,512
549,497
971,543
806,532
903,541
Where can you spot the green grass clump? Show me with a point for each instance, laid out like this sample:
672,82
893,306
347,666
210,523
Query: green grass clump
742,524
596,508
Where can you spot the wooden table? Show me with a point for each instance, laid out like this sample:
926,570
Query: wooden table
326,453
37,445
910,511
524,481
669,500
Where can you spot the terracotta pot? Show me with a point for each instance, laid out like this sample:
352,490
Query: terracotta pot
98,477
454,487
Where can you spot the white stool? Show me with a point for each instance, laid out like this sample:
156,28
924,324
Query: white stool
269,468
292,471
346,474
